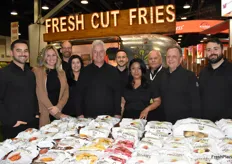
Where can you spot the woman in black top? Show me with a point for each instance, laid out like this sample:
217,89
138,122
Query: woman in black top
137,94
75,64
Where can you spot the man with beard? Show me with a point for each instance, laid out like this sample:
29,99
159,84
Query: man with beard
66,50
154,74
122,60
18,101
216,83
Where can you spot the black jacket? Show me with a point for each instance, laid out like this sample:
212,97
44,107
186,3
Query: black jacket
179,93
18,99
216,91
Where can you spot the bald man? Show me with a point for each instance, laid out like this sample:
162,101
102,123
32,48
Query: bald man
66,50
154,74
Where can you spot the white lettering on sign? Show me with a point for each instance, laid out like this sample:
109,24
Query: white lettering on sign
139,16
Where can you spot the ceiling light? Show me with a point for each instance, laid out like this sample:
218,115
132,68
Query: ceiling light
19,33
180,36
186,6
201,41
179,42
183,18
204,38
45,7
14,12
208,34
84,2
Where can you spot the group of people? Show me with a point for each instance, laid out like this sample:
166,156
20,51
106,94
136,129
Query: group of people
61,86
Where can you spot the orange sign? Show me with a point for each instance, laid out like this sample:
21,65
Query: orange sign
196,26
14,31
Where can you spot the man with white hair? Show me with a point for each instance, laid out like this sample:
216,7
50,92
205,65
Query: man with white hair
99,89
154,74
178,88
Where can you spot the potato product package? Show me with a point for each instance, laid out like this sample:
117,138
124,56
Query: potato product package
53,157
120,150
5,148
71,144
23,155
170,157
157,127
149,144
123,142
159,136
110,158
197,128
146,157
106,142
133,123
204,160
108,119
203,145
82,122
88,157
101,123
226,126
126,134
95,132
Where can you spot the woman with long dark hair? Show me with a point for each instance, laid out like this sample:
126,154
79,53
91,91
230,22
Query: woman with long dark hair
138,93
75,64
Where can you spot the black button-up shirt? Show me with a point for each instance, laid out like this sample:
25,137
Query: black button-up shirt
123,77
179,94
216,91
18,99
99,91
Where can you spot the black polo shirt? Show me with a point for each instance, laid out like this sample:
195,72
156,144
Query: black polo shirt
157,114
216,91
179,94
123,77
137,100
18,99
99,91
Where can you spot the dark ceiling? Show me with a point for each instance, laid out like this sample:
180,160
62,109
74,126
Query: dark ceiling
200,9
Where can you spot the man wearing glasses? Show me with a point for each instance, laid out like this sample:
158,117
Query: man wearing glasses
66,50
216,83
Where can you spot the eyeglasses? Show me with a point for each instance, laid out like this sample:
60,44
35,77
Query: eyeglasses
67,48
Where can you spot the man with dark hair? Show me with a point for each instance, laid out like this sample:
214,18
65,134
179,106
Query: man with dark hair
216,83
178,88
66,50
18,101
122,60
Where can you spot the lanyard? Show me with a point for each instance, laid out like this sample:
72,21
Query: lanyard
152,78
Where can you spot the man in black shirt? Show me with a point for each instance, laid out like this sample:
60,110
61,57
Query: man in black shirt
66,50
216,83
122,60
178,88
99,87
18,101
153,75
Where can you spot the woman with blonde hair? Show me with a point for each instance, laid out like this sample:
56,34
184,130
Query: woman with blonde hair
51,86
